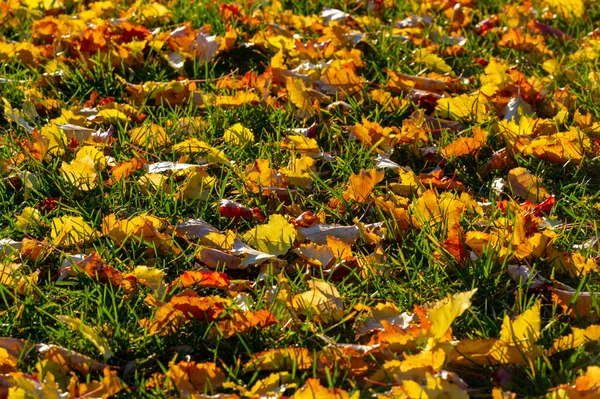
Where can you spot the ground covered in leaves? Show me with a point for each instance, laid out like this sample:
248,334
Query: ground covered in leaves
297,199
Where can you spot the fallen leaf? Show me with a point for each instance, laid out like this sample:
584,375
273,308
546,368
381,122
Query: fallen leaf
89,334
361,185
322,301
275,238
238,135
525,185
280,359
71,230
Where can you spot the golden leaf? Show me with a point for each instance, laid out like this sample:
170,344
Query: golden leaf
314,390
71,230
525,185
322,301
303,98
466,145
464,106
281,359
89,334
275,238
150,136
372,135
442,316
193,146
82,172
432,60
238,135
578,337
195,378
361,185
567,8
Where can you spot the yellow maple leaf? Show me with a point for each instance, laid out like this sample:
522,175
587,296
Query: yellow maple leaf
270,385
361,185
322,301
150,136
567,8
466,145
191,378
411,367
585,386
197,184
495,77
259,176
442,316
71,230
424,56
144,228
239,99
113,115
578,337
408,183
464,106
281,359
82,172
434,387
302,144
304,98
28,217
560,147
275,238
525,185
193,146
525,328
314,390
238,135
372,135
299,172
151,277
340,81
89,333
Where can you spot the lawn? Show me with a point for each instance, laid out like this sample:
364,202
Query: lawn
299,199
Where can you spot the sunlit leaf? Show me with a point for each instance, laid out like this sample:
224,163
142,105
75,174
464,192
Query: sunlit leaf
526,185
238,135
275,238
322,301
71,230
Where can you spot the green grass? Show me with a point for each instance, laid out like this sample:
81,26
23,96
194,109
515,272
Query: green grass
414,271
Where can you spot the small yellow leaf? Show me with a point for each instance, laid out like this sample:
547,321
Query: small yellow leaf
71,230
28,218
525,327
314,390
150,276
361,185
432,60
111,116
238,135
275,238
372,135
322,301
89,333
434,387
442,316
578,337
567,8
193,146
527,186
281,359
150,136
464,106
268,387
